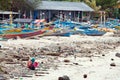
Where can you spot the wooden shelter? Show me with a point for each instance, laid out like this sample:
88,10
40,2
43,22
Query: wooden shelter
63,10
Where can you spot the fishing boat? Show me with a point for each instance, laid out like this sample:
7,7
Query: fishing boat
66,34
23,34
117,27
24,31
61,32
94,32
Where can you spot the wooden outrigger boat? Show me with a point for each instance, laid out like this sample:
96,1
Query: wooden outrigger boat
22,34
13,30
93,32
25,32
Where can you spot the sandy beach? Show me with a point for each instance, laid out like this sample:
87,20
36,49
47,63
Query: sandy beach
59,39
74,56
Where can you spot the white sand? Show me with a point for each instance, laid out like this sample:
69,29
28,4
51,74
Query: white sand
98,69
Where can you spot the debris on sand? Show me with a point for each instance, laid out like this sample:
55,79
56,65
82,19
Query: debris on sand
117,55
85,76
113,64
65,77
53,51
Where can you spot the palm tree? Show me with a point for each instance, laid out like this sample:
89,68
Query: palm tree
109,6
92,4
32,3
107,3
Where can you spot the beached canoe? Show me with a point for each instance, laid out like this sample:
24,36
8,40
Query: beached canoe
22,34
117,27
66,33
93,32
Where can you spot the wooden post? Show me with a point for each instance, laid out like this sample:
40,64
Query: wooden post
74,17
49,13
10,17
104,18
101,16
81,16
19,14
30,14
78,15
70,15
61,15
3,16
40,14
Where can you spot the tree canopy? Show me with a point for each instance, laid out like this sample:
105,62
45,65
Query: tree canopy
92,4
5,4
16,5
107,3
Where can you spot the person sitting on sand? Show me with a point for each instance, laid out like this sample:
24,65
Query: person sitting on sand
31,64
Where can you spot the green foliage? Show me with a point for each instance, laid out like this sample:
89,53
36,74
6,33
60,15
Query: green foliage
5,4
92,4
18,4
32,3
69,0
108,6
107,3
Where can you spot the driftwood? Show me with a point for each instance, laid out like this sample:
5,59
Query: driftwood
53,54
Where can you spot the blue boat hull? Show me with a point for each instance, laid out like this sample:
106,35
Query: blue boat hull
94,33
